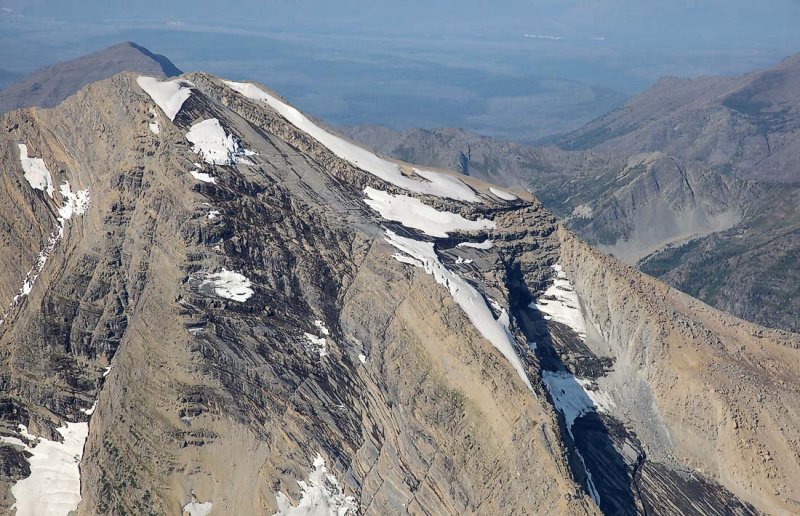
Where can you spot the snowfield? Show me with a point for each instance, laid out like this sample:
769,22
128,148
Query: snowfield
230,285
423,254
168,95
36,172
321,496
425,182
209,140
413,213
54,485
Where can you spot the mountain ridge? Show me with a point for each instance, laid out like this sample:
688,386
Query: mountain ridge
258,318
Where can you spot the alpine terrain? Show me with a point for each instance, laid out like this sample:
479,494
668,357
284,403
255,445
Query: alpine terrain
695,181
213,305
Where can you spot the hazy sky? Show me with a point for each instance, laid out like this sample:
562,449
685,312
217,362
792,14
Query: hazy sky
485,65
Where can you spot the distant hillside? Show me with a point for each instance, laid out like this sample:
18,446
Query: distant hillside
49,86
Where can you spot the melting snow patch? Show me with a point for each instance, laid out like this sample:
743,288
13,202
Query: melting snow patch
503,195
107,371
168,95
467,297
560,303
316,344
321,495
230,285
54,485
89,411
36,172
413,213
213,214
322,328
195,508
74,203
486,244
362,357
433,183
154,127
202,176
209,140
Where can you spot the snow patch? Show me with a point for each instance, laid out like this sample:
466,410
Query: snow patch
209,140
322,328
89,411
413,213
560,303
582,211
36,172
467,297
54,485
506,196
213,214
153,125
321,495
362,358
432,183
230,285
202,176
316,344
486,244
196,508
168,95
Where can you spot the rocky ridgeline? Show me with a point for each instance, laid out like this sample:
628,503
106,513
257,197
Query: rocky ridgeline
244,319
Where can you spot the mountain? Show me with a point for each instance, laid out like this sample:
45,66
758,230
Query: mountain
213,304
50,85
694,181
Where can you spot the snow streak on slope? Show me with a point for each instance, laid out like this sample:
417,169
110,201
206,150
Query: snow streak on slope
36,172
320,496
423,254
572,398
74,204
486,244
560,303
168,95
209,140
54,486
506,196
413,213
429,182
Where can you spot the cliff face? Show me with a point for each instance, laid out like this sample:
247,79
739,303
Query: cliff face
696,385
228,299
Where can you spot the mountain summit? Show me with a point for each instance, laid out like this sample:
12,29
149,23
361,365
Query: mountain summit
49,86
212,304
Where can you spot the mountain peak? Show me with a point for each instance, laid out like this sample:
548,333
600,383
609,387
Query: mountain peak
48,86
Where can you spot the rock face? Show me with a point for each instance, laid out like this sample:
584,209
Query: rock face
49,86
694,181
230,327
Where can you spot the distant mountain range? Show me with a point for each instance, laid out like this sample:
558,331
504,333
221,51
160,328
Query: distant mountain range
696,181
